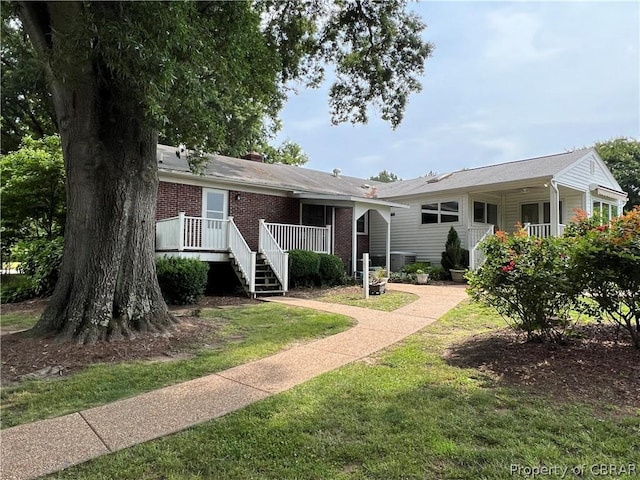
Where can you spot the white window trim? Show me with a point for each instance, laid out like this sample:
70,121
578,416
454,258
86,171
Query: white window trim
440,212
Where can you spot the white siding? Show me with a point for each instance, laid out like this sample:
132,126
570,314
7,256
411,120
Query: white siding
377,233
584,173
408,234
589,171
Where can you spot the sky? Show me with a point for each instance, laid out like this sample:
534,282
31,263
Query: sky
506,81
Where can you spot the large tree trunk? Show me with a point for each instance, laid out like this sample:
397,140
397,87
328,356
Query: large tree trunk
107,286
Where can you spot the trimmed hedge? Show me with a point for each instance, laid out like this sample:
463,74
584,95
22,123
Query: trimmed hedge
331,271
308,269
182,280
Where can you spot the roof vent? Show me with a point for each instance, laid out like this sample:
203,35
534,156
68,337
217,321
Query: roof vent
365,186
336,172
439,177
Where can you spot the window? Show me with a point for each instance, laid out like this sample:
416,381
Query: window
215,204
546,213
442,212
362,224
485,213
314,215
529,213
605,210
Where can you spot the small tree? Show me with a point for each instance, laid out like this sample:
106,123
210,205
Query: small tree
452,256
605,262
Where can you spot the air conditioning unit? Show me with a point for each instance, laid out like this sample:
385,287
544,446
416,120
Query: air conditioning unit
400,259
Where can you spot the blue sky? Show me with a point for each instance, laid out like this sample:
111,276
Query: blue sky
507,81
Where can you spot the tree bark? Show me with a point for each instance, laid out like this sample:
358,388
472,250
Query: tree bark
107,286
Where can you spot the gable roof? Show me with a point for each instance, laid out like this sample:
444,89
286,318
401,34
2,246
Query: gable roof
277,176
531,168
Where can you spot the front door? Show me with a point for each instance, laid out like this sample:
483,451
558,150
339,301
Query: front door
214,212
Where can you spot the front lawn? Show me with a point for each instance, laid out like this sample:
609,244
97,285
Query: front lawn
224,338
411,412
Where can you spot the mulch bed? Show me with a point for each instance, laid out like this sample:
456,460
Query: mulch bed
597,364
23,355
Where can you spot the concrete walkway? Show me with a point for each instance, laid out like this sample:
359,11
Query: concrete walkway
46,446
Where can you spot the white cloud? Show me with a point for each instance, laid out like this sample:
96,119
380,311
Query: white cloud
518,38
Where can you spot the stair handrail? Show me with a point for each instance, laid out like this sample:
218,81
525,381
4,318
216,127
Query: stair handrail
245,258
274,255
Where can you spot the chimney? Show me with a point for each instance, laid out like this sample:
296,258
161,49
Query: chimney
253,157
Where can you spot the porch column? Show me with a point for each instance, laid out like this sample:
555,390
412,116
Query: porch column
554,209
388,249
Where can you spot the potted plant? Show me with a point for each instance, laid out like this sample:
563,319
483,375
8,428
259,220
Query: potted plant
378,282
421,277
453,257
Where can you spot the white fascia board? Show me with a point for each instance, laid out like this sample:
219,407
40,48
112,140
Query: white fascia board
347,198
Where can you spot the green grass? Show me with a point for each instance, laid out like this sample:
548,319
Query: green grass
408,415
248,333
387,302
18,320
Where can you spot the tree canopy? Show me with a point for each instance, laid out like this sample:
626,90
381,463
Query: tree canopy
386,177
214,75
33,190
622,156
209,75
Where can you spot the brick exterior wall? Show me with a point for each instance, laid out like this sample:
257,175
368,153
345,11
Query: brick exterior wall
342,238
363,245
174,198
251,207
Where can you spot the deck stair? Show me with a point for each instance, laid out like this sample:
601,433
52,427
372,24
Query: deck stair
266,282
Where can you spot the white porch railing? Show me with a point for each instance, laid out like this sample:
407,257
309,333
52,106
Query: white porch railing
245,258
541,230
191,233
168,234
476,236
274,254
301,237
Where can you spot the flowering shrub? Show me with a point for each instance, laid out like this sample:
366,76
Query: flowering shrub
605,263
526,280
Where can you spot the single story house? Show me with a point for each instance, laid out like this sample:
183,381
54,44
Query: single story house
542,194
248,214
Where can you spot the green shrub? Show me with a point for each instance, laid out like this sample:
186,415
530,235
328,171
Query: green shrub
331,270
414,267
437,273
304,268
15,288
454,256
402,277
182,280
526,280
605,263
40,260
